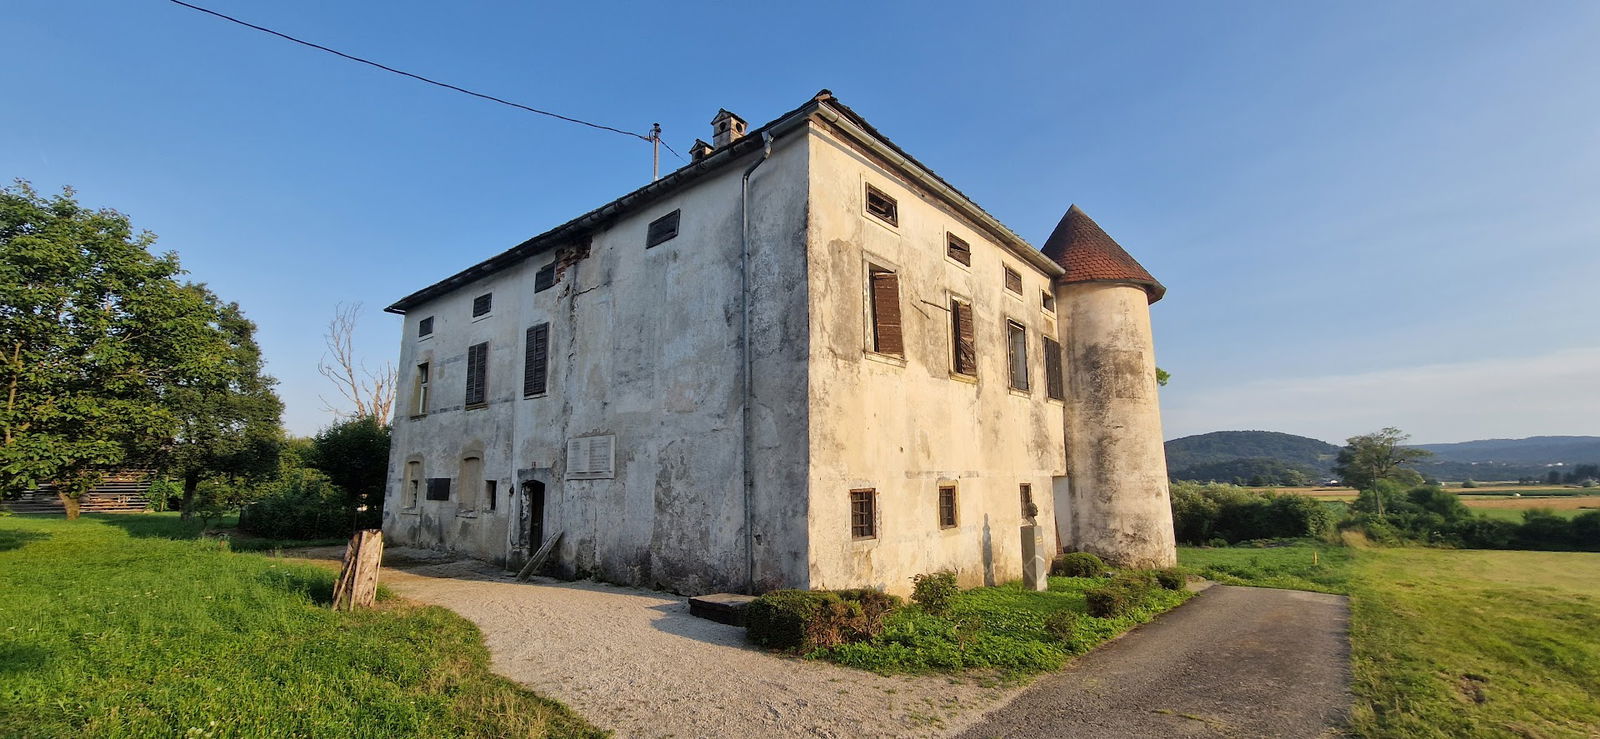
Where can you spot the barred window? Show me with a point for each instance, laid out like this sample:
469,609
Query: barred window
947,507
863,514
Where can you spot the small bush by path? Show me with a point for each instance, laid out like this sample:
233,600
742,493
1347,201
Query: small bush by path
1004,628
119,626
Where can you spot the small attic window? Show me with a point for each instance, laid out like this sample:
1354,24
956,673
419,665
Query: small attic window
958,250
882,206
662,229
482,304
1047,301
1013,280
425,327
545,278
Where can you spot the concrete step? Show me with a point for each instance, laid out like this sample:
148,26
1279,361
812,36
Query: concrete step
725,608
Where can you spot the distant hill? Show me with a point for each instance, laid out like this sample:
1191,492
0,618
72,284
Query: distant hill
1267,456
1532,450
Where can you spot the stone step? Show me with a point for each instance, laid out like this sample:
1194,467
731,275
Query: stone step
725,608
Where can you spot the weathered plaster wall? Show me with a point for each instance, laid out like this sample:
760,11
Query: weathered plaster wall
645,345
903,427
1118,505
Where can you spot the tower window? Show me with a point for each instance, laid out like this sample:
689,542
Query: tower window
882,206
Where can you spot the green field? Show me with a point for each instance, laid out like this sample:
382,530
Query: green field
1515,514
127,626
1452,642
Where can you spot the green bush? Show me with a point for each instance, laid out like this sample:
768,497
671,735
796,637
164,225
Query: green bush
301,504
1061,625
1077,564
1209,512
1114,599
934,591
803,621
1172,579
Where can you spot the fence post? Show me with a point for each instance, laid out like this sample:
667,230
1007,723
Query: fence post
357,585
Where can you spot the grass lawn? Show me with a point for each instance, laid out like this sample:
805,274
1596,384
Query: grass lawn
1000,628
126,626
1515,514
1456,642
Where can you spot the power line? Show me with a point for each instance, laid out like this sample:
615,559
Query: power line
418,77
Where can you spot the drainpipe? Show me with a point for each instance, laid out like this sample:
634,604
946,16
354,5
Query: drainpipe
749,357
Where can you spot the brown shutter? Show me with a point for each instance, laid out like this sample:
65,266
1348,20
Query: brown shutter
1013,280
536,360
1053,386
958,249
966,357
886,314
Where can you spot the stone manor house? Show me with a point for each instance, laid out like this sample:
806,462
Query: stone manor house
802,360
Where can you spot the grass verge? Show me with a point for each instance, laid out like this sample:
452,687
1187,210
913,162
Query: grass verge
1449,642
1000,628
119,626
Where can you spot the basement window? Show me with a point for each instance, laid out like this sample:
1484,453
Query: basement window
545,278
438,488
425,327
958,250
947,506
882,206
662,229
482,304
863,514
1013,280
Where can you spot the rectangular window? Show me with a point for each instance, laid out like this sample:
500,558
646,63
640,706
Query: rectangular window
1017,352
490,490
957,249
882,206
1028,509
536,361
947,507
1047,301
863,514
425,327
965,360
1054,387
438,488
482,304
1013,280
884,293
477,374
545,278
662,229
413,486
419,398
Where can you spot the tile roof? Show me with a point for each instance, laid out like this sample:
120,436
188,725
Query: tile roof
1088,254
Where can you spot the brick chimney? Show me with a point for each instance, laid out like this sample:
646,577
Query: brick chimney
726,128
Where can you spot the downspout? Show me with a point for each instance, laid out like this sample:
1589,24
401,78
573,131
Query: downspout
749,357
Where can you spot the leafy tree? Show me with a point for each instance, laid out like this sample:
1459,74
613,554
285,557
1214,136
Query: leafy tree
228,424
1162,377
94,330
1554,477
1368,458
354,454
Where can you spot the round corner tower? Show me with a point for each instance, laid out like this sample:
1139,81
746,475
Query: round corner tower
1115,501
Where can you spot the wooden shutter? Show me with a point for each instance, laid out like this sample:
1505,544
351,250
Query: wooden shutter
958,249
1013,280
966,352
482,304
545,278
1017,344
477,373
1053,386
886,337
536,361
425,326
662,229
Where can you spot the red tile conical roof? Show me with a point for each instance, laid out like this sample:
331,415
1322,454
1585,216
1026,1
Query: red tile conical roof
1088,254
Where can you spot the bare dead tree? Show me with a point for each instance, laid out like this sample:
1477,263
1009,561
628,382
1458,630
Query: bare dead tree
370,390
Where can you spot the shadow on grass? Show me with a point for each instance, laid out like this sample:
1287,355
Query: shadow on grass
15,658
13,539
316,585
151,525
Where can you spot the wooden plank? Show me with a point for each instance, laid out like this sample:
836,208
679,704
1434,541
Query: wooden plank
357,586
539,557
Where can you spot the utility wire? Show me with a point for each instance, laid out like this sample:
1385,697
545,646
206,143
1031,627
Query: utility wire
418,77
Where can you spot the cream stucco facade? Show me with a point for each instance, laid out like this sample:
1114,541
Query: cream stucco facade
715,413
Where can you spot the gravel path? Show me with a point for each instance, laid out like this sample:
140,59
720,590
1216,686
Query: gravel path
1237,662
637,663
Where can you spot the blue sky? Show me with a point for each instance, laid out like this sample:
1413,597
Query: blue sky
1367,214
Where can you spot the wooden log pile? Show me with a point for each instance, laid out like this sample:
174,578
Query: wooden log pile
357,586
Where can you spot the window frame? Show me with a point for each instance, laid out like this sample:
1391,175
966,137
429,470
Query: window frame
1016,359
536,368
539,285
491,493
424,328
1055,383
953,507
487,300
482,382
879,340
890,215
1008,275
1047,302
950,250
869,496
420,388
1025,492
437,484
957,304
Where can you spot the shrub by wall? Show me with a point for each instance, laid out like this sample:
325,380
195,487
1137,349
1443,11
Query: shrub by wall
1077,564
934,591
1202,513
803,621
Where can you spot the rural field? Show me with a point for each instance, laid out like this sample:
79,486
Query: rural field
1450,642
132,626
